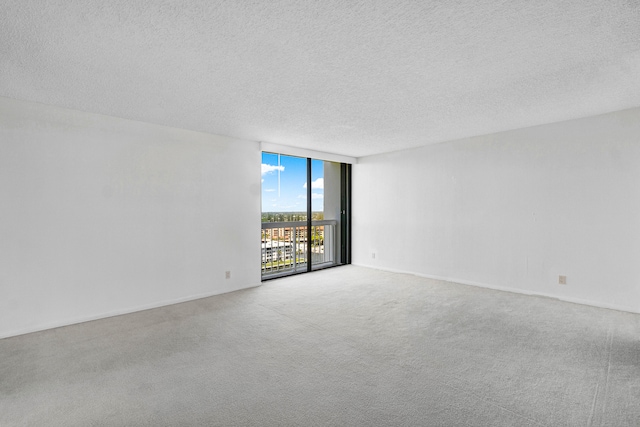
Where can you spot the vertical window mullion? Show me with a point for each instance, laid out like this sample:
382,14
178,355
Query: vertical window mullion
309,252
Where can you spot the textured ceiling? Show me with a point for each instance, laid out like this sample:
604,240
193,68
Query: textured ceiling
347,77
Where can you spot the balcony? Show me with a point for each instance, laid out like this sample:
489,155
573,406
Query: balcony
284,246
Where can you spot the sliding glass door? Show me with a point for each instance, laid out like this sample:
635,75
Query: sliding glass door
305,222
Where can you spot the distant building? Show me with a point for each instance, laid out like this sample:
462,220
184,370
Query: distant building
276,250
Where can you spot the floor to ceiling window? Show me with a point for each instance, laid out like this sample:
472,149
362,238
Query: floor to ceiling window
305,214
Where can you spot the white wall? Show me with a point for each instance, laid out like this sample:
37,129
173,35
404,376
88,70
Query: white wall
512,210
100,216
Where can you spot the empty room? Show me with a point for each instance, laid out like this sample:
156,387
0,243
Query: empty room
336,213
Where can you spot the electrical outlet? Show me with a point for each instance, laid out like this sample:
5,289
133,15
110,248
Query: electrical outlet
227,275
562,280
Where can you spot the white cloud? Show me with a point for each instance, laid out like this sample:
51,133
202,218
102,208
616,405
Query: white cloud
269,190
318,184
270,168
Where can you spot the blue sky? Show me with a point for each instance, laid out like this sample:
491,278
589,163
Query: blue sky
289,193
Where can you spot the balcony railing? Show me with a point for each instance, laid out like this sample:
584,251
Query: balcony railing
284,246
